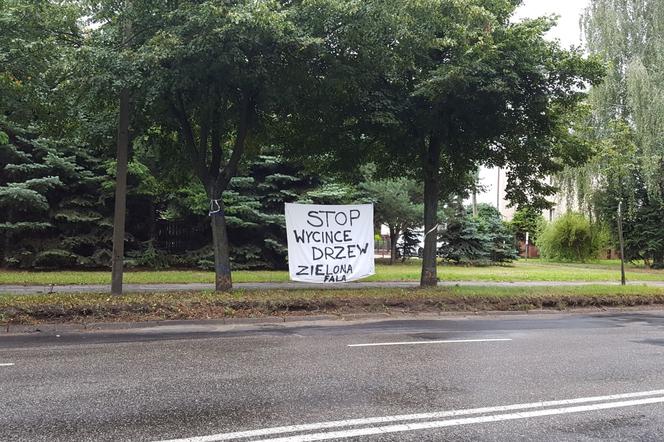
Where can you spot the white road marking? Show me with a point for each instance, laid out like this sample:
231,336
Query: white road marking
408,417
448,341
464,421
6,364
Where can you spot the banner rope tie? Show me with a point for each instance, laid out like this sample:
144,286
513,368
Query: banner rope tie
432,229
215,207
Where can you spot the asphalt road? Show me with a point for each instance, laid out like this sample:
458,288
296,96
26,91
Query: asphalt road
604,376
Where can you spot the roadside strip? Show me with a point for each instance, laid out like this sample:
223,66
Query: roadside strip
449,341
616,401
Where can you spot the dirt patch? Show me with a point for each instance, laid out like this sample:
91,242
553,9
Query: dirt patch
82,308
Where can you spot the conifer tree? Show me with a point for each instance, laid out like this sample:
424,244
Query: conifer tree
52,210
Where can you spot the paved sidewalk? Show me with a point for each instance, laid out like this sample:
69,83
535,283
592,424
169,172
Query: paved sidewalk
134,288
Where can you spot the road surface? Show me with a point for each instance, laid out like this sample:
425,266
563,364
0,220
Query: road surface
504,378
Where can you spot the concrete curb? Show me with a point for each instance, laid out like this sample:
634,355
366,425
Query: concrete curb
107,326
9,329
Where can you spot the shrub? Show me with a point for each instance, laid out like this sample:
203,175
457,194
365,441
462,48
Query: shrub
54,259
527,219
571,238
480,240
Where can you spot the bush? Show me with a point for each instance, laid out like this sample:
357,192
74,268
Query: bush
148,257
572,238
54,259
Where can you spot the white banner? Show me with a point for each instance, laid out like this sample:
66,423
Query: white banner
330,243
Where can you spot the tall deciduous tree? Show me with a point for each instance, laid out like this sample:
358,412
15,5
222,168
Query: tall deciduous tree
217,71
437,88
498,96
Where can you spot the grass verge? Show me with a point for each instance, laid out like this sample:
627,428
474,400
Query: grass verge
532,270
90,308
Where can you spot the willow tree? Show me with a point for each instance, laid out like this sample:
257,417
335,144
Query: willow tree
629,36
626,122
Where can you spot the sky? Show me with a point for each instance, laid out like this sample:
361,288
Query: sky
570,11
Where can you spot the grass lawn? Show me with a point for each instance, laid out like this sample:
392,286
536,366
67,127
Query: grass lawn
89,308
533,270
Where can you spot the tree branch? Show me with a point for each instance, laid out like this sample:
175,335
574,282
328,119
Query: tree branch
215,160
231,167
187,133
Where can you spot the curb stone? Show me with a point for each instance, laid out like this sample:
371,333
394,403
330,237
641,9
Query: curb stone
101,326
8,329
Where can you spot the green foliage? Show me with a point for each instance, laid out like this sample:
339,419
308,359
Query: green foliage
480,240
395,201
396,205
643,231
254,208
409,244
464,243
147,257
572,238
627,35
330,192
527,219
503,246
53,211
625,125
255,211
37,39
335,82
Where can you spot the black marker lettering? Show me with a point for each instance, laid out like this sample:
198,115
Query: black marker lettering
313,214
355,216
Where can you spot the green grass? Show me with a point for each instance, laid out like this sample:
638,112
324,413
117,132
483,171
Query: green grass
89,307
533,270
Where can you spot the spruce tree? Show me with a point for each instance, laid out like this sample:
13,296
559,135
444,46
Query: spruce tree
481,240
52,213
410,244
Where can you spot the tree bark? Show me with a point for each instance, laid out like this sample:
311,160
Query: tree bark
222,261
120,209
394,236
431,165
117,263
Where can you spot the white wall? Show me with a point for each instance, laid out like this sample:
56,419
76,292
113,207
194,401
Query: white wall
494,181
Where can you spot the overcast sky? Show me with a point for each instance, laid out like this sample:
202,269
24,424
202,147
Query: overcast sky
570,11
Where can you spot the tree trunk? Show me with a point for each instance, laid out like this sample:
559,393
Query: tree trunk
4,254
431,192
152,222
119,214
394,236
120,209
474,203
222,261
